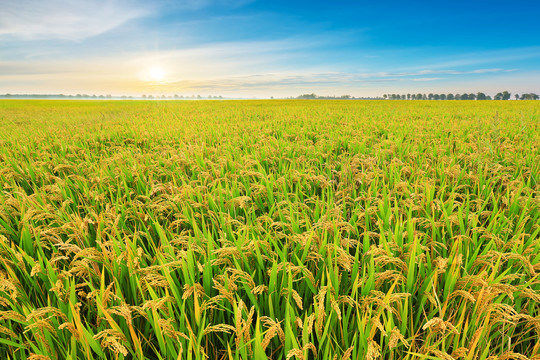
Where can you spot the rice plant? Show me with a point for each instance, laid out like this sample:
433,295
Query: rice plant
269,230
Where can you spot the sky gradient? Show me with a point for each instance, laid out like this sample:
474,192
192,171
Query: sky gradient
242,48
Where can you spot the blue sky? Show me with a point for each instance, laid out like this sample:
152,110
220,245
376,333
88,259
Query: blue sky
273,48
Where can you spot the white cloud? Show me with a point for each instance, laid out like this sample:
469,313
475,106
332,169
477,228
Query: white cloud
426,79
65,19
243,68
201,4
482,58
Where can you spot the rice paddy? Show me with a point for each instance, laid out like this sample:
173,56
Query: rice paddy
269,230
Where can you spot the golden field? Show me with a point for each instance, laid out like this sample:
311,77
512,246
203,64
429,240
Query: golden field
269,229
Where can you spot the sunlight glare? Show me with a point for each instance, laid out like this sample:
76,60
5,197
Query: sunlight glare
157,74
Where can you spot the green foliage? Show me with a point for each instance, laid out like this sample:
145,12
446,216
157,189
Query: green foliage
269,230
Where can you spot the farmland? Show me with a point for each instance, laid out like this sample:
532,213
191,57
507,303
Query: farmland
269,229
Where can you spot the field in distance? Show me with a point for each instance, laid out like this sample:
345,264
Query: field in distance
269,229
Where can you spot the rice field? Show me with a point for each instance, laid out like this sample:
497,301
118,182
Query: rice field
269,230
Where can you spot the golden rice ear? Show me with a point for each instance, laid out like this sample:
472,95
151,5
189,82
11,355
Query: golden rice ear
299,354
38,357
270,334
373,350
219,328
112,340
182,229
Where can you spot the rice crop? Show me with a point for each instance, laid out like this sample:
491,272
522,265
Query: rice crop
269,230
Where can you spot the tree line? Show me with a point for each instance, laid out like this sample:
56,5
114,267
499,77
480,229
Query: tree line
505,95
318,97
108,96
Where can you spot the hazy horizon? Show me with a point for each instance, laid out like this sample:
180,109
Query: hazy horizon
241,48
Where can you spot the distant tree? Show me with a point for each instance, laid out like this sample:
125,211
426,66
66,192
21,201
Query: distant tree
516,96
430,96
530,96
480,96
489,97
408,96
443,96
436,97
506,95
498,96
385,96
450,97
457,97
472,97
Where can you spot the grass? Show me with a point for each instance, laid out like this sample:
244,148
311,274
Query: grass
269,229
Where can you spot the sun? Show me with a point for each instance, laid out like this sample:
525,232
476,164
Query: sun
157,74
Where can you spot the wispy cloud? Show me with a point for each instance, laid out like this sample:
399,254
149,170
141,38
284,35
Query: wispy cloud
426,79
481,58
276,65
194,5
244,67
66,19
224,45
81,19
437,72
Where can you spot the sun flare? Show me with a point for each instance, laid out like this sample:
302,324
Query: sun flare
157,74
